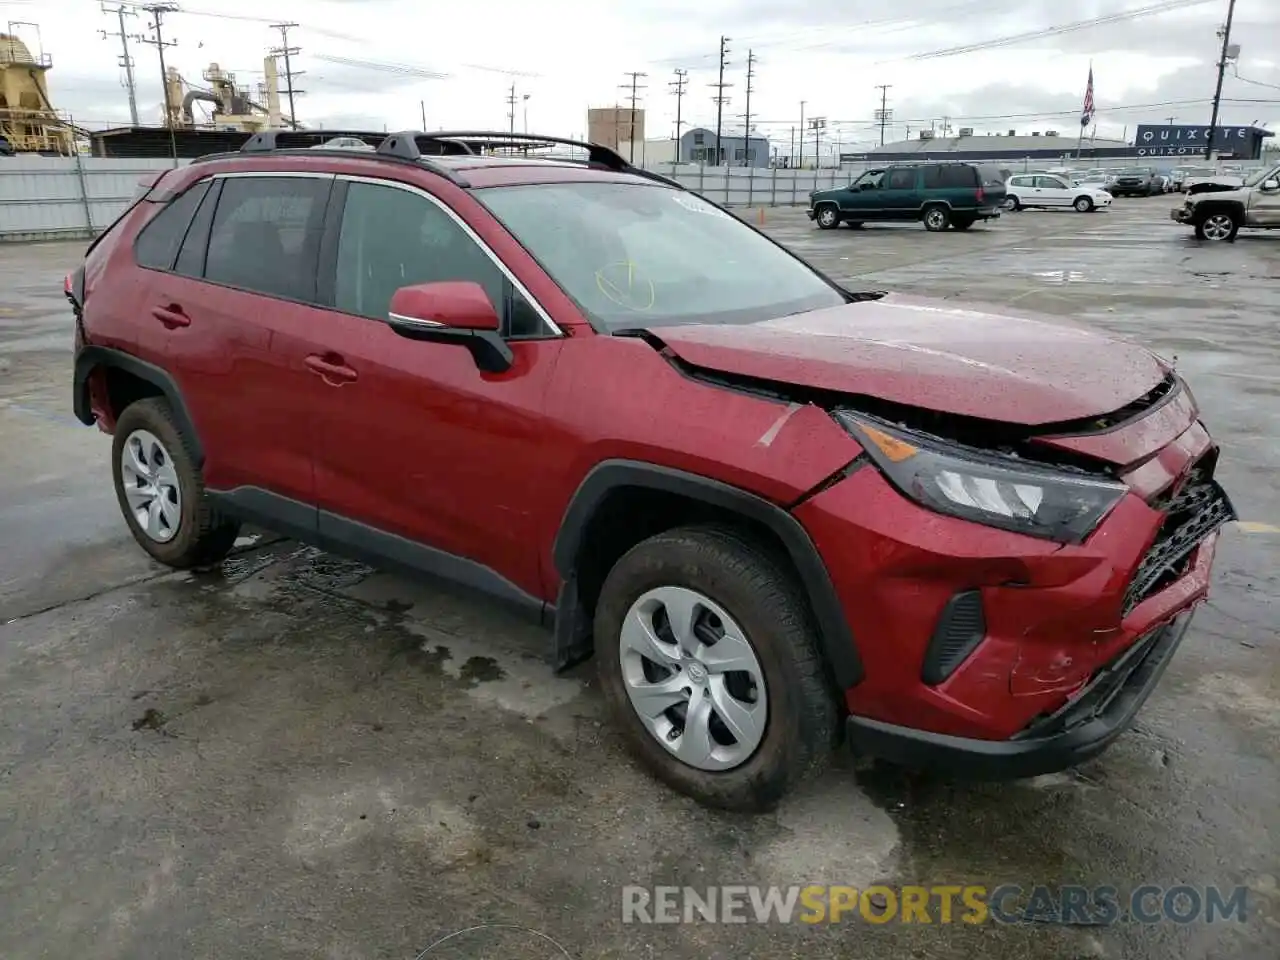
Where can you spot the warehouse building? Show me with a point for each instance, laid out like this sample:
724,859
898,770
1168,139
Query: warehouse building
1049,145
699,146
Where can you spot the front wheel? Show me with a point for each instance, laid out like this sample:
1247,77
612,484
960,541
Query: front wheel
1083,204
936,219
709,664
1218,226
1013,204
827,216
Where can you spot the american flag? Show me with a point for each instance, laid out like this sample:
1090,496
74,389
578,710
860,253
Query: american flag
1087,114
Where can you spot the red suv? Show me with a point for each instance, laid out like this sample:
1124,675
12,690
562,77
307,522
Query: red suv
777,510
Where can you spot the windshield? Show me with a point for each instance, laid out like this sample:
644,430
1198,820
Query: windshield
1258,176
643,255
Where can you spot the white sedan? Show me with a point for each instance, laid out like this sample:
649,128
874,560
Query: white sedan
1045,190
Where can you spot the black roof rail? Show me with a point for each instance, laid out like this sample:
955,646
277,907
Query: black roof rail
396,146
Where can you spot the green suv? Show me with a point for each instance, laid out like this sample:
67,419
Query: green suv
939,194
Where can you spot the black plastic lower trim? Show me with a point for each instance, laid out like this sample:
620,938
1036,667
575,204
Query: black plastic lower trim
1082,729
833,629
89,358
359,541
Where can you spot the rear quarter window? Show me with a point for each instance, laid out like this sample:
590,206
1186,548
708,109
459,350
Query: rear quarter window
959,176
158,243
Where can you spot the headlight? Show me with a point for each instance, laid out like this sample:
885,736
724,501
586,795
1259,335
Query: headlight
1038,501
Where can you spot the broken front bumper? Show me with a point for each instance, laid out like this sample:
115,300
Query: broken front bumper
1180,215
1082,728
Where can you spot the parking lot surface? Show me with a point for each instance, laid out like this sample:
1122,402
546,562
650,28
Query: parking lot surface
298,756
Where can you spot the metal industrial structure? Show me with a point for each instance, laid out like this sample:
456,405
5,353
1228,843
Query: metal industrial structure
28,121
232,107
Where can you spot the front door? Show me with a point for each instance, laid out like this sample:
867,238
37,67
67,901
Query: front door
1264,205
414,439
1053,192
864,195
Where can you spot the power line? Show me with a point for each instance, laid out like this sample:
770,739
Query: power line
157,11
126,61
720,99
289,73
884,114
635,88
678,87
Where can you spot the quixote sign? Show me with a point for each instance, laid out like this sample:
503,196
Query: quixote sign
1179,141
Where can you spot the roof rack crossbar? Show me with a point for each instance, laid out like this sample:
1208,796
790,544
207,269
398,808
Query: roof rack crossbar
396,146
596,153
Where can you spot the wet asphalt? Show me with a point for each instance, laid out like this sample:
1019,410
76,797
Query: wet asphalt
298,756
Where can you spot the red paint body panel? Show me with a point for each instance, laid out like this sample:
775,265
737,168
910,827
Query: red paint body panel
1136,440
934,355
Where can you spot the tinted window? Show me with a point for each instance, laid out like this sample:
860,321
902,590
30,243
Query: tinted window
901,179
266,235
160,239
931,177
957,175
191,256
392,238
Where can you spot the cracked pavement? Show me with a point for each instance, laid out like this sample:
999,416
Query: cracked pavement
298,756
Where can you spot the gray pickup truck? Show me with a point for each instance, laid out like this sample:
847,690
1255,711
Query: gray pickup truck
1219,210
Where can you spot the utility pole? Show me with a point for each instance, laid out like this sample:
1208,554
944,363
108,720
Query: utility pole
635,88
800,165
524,97
288,51
792,152
422,105
819,124
746,117
677,87
884,114
126,61
511,107
720,98
157,11
1225,33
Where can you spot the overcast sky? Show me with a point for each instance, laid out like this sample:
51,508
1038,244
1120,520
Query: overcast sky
563,56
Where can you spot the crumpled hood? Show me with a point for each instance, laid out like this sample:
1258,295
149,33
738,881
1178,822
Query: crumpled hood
988,363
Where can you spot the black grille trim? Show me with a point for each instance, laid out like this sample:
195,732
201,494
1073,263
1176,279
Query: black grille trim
961,627
1197,508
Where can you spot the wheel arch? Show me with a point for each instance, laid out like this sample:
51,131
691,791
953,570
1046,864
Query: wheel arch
628,478
1234,207
91,359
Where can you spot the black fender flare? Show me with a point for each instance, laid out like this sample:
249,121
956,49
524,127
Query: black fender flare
89,358
834,633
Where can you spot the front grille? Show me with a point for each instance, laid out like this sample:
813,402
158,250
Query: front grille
1196,509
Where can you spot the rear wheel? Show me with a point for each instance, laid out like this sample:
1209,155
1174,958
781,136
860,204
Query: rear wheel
1218,226
1083,204
962,223
1012,203
855,224
827,216
161,492
936,218
709,664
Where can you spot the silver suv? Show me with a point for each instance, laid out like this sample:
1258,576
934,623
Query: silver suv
1219,210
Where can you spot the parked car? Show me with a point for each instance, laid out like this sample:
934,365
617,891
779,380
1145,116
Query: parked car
1137,182
1219,210
1024,190
940,195
776,509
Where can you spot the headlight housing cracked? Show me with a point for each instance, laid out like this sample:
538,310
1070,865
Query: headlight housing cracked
994,491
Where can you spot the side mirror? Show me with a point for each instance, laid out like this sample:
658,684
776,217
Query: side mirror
453,311
1271,185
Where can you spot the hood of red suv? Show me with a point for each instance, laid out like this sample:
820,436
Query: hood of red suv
930,354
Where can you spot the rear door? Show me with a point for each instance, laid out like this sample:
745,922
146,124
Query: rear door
237,340
900,194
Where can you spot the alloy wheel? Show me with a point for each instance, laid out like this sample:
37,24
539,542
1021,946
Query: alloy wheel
1217,226
826,217
151,485
693,678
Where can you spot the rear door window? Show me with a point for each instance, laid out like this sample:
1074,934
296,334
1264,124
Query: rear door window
901,178
158,243
266,235
932,177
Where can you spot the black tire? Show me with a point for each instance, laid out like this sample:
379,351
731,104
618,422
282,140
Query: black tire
1012,204
854,224
826,216
936,217
1083,204
763,596
204,537
1211,226
963,223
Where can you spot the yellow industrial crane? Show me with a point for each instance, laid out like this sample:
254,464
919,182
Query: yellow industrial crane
27,118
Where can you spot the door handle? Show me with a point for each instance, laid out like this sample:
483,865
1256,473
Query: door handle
331,368
171,316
